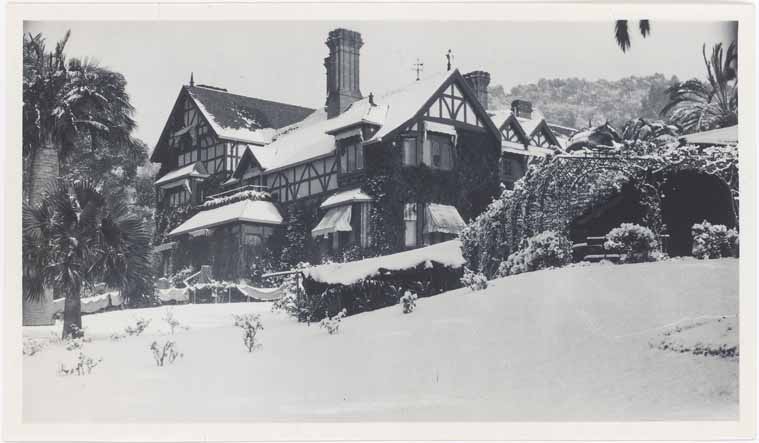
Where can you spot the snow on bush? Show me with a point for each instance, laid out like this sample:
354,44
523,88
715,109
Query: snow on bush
549,249
634,243
408,302
292,286
250,324
117,336
138,328
32,346
714,241
177,280
164,353
76,343
83,366
332,324
172,321
476,281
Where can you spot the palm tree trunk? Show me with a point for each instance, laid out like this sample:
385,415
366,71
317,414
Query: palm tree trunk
44,167
72,315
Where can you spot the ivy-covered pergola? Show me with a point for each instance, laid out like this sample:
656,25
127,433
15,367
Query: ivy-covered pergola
560,189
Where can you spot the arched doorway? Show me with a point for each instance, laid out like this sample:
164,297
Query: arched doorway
690,197
623,207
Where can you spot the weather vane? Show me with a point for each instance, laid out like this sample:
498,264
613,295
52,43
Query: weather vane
418,67
449,57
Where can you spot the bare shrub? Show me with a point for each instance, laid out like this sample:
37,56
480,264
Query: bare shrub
250,324
138,328
165,353
83,366
332,324
173,322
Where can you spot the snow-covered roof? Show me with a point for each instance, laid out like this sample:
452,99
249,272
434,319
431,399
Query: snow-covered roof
247,119
720,136
446,253
499,117
529,124
257,211
404,103
343,197
311,137
192,170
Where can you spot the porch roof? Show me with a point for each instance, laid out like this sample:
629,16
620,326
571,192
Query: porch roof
254,211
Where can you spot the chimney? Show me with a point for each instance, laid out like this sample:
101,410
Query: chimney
479,82
342,70
522,108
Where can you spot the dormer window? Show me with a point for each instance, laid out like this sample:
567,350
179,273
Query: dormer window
352,157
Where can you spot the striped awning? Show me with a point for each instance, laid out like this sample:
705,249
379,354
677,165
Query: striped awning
443,218
336,219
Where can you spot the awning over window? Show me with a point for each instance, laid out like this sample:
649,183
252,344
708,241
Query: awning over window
346,197
443,218
440,128
335,220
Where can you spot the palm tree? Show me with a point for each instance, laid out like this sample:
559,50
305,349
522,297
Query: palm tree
697,106
74,238
622,32
67,105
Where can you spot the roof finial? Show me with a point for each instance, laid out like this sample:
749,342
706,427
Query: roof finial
192,80
418,67
449,57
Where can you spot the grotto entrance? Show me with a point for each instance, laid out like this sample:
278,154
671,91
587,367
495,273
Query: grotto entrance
690,197
623,207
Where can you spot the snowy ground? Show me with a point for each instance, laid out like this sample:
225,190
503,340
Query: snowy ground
569,344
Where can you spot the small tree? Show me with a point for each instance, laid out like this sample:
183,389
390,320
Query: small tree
250,324
164,353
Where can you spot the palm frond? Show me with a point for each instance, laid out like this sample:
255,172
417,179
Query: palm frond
622,35
645,28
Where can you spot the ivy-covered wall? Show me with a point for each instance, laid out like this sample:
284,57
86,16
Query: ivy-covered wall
470,186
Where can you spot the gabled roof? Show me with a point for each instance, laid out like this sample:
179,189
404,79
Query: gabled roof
313,137
241,118
532,126
720,136
234,117
193,170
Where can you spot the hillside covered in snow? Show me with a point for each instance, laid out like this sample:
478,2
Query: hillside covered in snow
599,342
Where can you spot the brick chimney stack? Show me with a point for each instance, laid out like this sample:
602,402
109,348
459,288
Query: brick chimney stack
522,108
342,70
479,82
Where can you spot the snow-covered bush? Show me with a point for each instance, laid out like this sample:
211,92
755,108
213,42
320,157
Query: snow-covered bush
408,302
177,279
549,249
165,353
138,328
332,324
172,321
291,303
83,366
476,281
117,336
633,242
76,343
714,241
250,324
32,346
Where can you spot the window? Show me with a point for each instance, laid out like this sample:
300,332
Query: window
253,240
178,197
409,151
352,157
410,220
440,155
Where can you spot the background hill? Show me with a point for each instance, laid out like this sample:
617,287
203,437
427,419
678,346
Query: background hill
573,101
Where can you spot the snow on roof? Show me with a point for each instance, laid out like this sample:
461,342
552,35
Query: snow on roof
241,118
499,117
193,170
257,211
403,103
446,253
343,197
721,136
529,124
309,139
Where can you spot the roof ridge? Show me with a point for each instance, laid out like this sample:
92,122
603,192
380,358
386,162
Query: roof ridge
219,91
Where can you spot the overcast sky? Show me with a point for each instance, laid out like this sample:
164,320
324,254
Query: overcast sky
284,61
